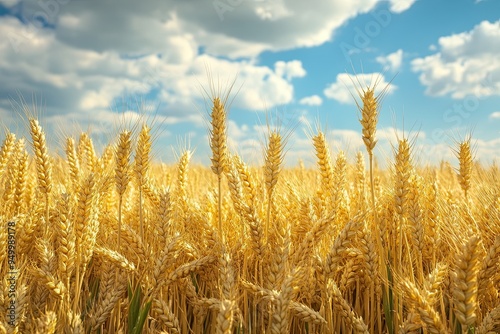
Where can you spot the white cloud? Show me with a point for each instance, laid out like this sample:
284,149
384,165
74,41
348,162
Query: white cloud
392,134
487,150
261,86
272,10
313,100
226,28
249,142
429,151
86,58
347,84
235,131
424,150
76,81
351,142
9,3
392,61
347,139
237,135
495,115
70,21
466,64
290,69
399,6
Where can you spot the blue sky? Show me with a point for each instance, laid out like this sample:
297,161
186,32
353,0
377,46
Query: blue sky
88,63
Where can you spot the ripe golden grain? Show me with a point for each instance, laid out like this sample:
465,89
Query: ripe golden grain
275,249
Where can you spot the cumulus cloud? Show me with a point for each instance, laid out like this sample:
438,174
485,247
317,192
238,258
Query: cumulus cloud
262,86
495,115
8,3
290,69
424,150
228,28
85,82
391,62
241,141
313,100
346,139
392,134
84,59
248,141
87,58
487,150
466,64
431,151
399,6
347,84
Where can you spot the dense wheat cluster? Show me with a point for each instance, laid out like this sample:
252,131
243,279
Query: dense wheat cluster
116,243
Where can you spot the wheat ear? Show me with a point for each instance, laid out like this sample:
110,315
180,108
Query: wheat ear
345,310
368,121
464,282
42,162
73,163
464,155
218,144
489,267
86,153
324,162
272,167
166,316
122,173
491,322
141,167
6,150
46,324
20,180
280,319
418,301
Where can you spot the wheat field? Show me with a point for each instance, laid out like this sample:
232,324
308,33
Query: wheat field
118,243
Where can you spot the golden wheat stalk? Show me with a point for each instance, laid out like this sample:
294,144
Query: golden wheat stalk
122,173
141,167
429,317
348,315
42,162
464,281
464,155
272,168
218,144
324,163
6,150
